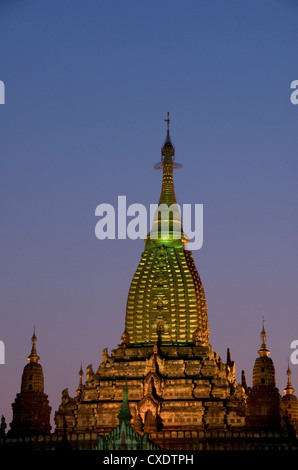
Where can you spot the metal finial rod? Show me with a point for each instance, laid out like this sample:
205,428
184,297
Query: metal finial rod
168,122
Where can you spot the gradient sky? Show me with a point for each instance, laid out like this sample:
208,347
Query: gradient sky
88,85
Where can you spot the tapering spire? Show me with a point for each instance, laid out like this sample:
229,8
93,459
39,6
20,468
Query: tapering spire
167,225
168,122
168,148
166,300
289,390
81,373
80,388
263,351
167,193
33,355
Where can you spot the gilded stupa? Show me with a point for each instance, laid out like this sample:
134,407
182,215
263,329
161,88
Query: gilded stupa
177,386
166,297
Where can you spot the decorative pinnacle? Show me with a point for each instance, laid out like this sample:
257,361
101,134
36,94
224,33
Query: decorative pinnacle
168,123
81,373
289,390
33,355
174,234
168,148
263,351
80,387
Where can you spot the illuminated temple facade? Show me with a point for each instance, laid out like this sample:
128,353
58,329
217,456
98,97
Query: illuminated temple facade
164,386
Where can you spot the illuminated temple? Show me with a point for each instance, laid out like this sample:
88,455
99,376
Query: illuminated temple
164,386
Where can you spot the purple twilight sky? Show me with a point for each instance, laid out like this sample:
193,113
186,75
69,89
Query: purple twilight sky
87,88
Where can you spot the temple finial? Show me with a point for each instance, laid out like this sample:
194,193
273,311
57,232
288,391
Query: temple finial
289,390
263,351
167,224
81,373
168,148
168,123
33,355
263,333
80,388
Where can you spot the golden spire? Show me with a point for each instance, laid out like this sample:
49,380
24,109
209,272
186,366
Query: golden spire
167,192
289,390
33,355
167,225
263,351
166,301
